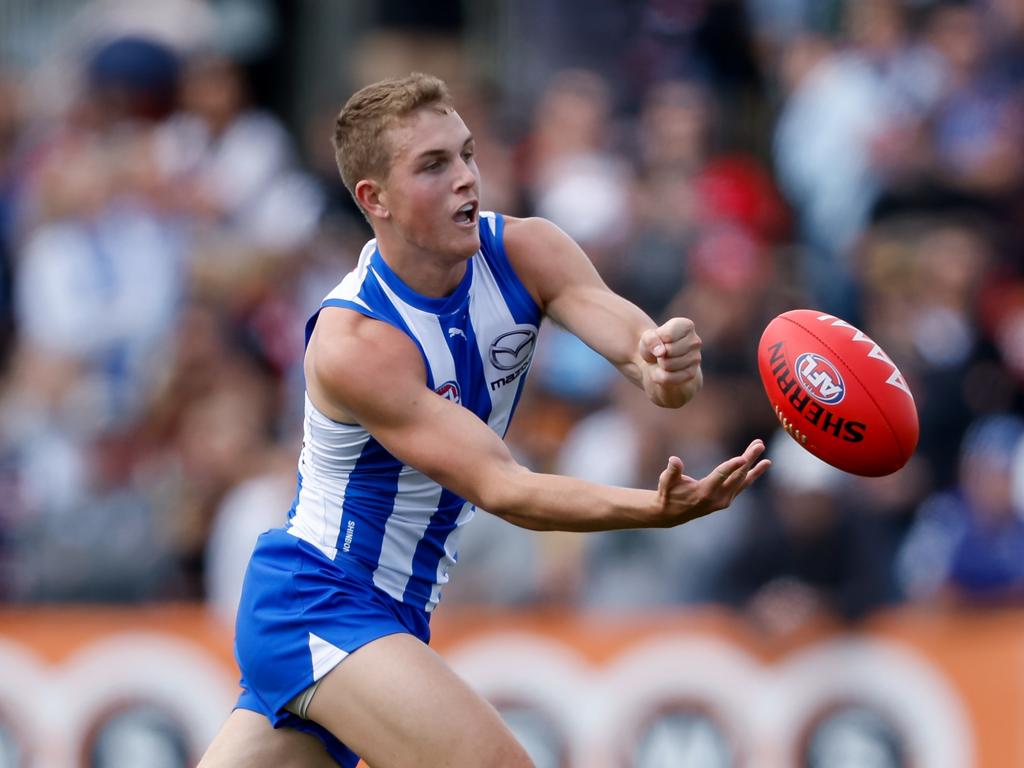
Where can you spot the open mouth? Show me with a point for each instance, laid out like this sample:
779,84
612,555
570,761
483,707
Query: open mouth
466,215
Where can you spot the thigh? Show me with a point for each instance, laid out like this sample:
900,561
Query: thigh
248,740
398,705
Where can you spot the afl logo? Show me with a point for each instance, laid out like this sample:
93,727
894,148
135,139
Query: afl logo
820,378
512,349
450,391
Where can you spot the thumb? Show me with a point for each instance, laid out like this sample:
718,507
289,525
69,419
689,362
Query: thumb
651,345
670,476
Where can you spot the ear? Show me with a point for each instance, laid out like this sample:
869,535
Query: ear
371,197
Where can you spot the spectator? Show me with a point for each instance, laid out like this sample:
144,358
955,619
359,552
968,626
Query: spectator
234,167
161,248
979,123
807,553
850,118
967,545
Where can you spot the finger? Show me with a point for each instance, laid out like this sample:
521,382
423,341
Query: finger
721,474
759,469
671,475
737,480
675,467
740,473
660,376
671,362
681,346
755,449
674,329
651,345
742,480
747,476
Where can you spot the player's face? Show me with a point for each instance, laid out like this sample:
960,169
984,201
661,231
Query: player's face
433,188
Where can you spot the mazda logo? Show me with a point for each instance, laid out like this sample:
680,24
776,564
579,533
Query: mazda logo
511,349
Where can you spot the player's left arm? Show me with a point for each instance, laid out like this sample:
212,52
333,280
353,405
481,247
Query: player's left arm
663,360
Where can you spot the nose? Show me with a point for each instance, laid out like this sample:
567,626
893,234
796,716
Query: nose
465,176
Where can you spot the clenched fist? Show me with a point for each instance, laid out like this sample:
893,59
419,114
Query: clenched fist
670,356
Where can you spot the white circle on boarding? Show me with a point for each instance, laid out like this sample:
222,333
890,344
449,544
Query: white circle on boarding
11,750
683,736
892,680
174,675
31,706
657,675
138,734
853,736
529,669
726,704
534,728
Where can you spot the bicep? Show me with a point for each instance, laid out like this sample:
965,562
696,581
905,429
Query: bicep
441,439
572,292
444,441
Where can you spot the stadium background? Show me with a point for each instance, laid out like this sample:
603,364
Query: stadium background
170,213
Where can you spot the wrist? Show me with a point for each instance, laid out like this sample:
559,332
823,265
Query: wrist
673,395
657,513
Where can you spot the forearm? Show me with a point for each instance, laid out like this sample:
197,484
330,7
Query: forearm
572,293
544,502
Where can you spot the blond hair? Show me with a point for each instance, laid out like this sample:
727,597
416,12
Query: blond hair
359,145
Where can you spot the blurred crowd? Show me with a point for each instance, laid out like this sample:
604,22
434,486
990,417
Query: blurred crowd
164,235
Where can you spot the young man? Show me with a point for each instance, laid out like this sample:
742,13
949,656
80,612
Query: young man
414,365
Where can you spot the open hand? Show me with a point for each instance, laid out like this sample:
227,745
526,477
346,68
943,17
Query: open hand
684,498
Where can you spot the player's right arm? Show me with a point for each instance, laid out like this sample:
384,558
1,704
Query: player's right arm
366,371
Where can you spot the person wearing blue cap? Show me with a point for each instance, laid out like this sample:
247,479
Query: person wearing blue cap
967,543
134,75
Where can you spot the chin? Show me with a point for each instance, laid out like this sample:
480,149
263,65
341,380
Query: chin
465,247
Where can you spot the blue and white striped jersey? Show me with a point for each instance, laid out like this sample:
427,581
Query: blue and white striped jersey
356,502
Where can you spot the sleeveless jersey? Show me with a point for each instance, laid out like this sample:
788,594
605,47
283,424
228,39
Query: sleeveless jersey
358,504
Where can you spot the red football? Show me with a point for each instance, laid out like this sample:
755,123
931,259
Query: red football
837,393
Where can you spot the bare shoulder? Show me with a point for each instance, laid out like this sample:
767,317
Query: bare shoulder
349,357
526,237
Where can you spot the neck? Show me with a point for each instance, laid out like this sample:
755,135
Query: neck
426,272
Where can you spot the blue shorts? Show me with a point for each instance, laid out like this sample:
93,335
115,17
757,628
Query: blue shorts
299,615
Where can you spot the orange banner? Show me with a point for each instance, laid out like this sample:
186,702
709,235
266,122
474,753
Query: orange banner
80,684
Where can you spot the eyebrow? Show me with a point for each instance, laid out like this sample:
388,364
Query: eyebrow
441,152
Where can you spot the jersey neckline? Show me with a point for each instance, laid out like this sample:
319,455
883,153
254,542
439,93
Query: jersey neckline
441,305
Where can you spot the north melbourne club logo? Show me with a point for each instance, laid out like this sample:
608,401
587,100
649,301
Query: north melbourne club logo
512,349
820,378
450,391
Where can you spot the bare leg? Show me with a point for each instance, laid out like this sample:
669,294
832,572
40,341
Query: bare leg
398,705
248,740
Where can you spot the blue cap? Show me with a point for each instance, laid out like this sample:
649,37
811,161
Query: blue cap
134,63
